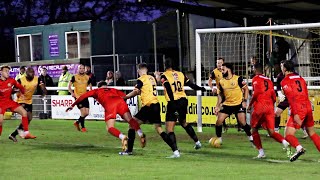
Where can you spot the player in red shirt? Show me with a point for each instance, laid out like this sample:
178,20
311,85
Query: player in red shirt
113,103
262,102
6,87
295,89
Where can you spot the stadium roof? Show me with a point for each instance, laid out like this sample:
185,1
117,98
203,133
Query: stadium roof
236,10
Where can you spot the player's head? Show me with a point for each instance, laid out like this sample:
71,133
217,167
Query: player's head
87,69
227,68
5,71
168,63
102,84
44,71
30,73
287,67
81,69
220,61
22,69
142,69
253,60
258,68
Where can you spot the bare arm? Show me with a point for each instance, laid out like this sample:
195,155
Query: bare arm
133,93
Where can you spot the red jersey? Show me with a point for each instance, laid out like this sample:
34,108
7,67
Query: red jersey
6,87
263,92
295,89
102,95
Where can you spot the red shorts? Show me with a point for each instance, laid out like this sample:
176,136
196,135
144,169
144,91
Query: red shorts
12,105
264,117
117,106
306,119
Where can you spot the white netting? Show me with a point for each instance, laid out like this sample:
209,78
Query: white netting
303,47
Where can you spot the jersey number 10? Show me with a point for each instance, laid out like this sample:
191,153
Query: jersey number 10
177,86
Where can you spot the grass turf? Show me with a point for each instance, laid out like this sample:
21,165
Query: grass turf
61,152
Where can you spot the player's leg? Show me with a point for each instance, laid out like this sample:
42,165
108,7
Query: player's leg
170,124
182,111
25,123
154,113
309,124
116,133
84,112
222,115
241,114
19,129
255,122
131,139
134,124
83,106
277,118
270,123
305,133
290,137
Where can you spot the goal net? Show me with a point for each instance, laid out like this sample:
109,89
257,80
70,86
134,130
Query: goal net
268,45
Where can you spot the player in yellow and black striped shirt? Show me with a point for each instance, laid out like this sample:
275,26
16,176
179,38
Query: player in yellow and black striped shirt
150,111
235,92
173,82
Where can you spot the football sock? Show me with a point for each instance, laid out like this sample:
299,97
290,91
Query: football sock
131,138
219,130
247,129
292,140
81,121
277,123
172,137
316,140
165,138
0,130
25,123
224,124
134,124
256,140
189,129
115,132
276,136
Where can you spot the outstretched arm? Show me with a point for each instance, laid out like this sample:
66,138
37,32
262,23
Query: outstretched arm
19,86
84,96
136,90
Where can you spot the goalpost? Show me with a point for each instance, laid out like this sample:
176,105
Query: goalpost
236,45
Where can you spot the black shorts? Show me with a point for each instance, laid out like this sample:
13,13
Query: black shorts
27,107
232,109
283,105
150,114
83,104
177,110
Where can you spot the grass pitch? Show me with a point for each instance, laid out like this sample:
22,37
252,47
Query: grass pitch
61,152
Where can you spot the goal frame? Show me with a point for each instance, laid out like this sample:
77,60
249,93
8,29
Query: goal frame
230,30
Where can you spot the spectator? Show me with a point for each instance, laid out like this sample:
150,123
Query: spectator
64,79
91,75
46,80
109,78
22,72
119,80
